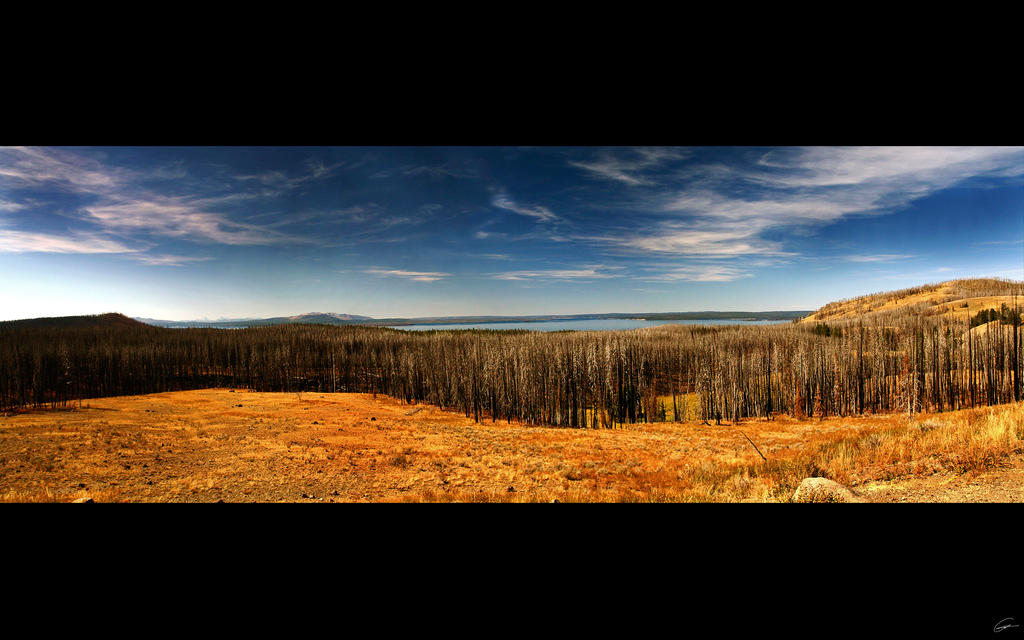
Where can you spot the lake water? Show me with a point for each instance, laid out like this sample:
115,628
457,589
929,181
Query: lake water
609,324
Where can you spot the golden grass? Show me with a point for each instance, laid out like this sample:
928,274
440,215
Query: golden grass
945,299
200,446
965,442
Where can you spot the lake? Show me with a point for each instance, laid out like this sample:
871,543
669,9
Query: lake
609,324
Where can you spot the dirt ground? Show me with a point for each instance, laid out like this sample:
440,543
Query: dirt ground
238,446
1005,484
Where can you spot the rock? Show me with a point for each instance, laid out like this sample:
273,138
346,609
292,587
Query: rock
83,501
822,490
555,500
373,419
511,489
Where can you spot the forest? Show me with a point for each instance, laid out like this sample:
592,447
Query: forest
901,360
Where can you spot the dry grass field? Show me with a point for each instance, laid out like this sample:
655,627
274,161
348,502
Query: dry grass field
238,446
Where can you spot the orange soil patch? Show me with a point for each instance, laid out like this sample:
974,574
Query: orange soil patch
200,446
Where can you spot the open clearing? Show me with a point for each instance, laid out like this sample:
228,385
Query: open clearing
239,446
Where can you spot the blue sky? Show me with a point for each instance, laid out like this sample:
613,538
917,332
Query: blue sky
221,232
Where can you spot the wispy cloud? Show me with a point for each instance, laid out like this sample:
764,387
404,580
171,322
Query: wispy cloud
947,273
440,172
910,170
628,167
485,235
999,242
175,217
318,169
26,242
57,168
168,260
126,215
689,240
880,257
729,212
314,170
415,276
700,273
596,272
543,214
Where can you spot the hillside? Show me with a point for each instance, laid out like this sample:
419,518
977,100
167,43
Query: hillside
957,298
73,322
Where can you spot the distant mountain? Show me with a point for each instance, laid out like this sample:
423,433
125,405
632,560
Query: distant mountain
317,317
350,319
680,315
73,322
305,318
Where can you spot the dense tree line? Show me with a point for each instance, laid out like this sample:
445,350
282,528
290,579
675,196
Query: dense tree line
893,362
1005,315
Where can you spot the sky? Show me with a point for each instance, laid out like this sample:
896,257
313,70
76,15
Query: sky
182,233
